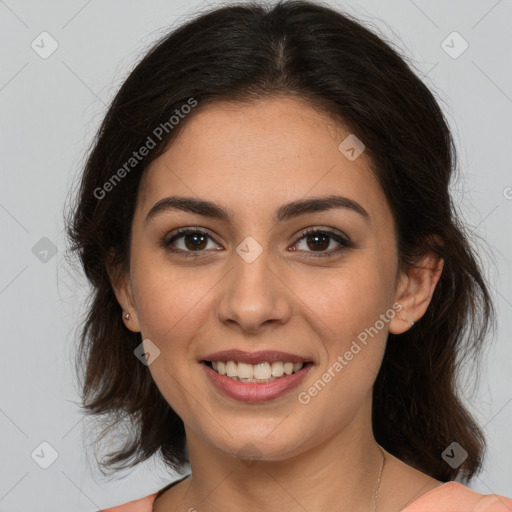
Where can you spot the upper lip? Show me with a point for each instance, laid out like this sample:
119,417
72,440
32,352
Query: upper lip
261,356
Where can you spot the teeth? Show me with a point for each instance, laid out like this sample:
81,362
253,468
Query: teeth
231,369
262,371
245,371
266,372
277,369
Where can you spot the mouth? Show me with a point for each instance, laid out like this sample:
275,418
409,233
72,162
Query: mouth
260,373
257,376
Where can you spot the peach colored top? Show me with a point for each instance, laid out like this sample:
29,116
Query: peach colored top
448,497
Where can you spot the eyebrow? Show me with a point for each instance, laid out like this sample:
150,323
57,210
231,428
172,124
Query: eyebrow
283,213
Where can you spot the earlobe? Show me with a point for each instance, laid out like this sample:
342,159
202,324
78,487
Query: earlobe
131,323
415,291
123,291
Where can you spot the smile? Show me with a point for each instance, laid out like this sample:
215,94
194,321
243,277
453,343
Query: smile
247,389
261,372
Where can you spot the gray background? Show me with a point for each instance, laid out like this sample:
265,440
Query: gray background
50,109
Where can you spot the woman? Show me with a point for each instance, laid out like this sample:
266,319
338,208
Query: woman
281,288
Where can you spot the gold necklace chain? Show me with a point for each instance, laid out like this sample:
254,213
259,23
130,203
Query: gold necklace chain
379,478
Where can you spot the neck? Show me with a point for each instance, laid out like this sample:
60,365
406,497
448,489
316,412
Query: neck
340,473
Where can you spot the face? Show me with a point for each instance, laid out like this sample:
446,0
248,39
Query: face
305,281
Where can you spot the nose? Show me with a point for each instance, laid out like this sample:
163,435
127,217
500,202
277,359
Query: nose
254,296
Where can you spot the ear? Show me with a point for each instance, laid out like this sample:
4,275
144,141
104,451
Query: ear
414,292
122,286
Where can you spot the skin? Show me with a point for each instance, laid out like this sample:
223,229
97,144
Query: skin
252,158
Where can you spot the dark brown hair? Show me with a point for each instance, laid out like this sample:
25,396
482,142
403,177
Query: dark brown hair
246,52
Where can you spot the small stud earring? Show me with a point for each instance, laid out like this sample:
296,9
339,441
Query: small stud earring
127,316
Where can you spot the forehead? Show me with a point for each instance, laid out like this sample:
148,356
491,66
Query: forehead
247,154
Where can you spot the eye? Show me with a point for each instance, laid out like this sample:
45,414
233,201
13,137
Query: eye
321,239
194,241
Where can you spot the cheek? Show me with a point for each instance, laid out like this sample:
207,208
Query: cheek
172,306
349,301
170,300
347,315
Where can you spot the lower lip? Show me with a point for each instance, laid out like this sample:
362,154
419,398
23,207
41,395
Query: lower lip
254,391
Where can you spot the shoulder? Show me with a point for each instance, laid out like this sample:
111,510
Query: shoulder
141,505
455,497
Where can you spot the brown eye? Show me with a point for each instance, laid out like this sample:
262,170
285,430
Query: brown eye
318,241
186,241
194,241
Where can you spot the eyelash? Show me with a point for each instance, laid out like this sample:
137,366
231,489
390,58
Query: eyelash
344,242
